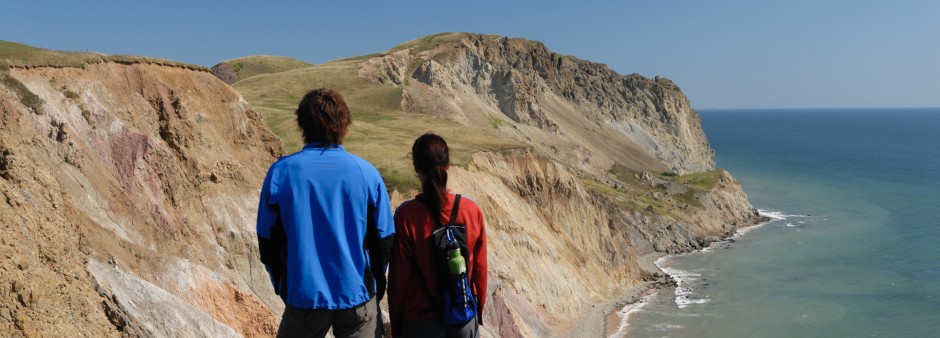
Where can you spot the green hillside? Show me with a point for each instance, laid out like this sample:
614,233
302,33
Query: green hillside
245,67
20,55
381,132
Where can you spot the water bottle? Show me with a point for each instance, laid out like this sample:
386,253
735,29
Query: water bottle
455,262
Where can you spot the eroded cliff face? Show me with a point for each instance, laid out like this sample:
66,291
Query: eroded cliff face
569,218
568,105
558,246
128,205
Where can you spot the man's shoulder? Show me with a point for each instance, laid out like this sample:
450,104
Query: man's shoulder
363,163
287,159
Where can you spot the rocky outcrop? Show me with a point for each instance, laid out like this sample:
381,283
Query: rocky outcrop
617,119
128,204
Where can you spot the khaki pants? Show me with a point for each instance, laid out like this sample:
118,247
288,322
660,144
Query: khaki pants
360,321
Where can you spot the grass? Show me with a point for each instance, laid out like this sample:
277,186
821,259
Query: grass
496,122
19,55
635,193
422,44
382,132
249,66
703,181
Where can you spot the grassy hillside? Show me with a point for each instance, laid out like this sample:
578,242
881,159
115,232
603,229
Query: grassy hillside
20,55
246,67
381,132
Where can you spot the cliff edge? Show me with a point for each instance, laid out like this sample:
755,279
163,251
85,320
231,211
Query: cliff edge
128,190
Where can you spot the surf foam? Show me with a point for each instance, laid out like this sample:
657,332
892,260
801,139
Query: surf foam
629,310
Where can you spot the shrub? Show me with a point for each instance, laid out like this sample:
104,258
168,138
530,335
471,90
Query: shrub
27,97
496,122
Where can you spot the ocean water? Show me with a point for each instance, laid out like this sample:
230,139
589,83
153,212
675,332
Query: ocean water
854,250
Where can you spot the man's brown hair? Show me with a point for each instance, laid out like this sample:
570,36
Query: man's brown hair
323,116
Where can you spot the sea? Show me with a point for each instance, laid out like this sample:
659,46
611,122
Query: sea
853,248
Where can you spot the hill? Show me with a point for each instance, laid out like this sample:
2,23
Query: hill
238,69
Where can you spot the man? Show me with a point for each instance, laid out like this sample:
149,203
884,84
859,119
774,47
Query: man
325,228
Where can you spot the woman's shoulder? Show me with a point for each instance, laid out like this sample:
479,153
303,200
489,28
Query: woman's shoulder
410,207
468,203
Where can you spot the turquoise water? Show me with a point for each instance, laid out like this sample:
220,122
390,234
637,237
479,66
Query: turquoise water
855,251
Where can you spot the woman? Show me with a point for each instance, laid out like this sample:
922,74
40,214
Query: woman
415,296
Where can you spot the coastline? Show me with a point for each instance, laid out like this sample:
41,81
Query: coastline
604,320
598,321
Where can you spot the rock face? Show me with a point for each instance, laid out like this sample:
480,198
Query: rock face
551,98
128,203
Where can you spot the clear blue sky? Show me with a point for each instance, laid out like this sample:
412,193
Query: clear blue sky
723,54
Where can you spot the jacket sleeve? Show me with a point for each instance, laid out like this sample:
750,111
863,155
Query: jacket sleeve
478,279
380,236
271,241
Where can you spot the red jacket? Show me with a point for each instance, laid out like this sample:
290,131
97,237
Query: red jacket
410,299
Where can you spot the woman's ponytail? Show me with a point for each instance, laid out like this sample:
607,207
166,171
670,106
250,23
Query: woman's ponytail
431,157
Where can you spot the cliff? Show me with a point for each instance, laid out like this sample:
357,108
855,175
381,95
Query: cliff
567,104
579,170
128,195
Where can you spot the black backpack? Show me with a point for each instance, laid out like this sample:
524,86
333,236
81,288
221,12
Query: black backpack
460,304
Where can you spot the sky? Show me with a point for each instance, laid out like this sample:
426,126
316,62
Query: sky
723,54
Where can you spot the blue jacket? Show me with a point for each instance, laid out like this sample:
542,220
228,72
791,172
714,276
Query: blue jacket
325,228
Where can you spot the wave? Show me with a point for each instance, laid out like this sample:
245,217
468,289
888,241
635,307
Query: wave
773,215
776,215
685,294
666,326
629,310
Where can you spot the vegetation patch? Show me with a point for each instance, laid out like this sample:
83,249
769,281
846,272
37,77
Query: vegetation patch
249,66
27,97
703,181
427,43
496,122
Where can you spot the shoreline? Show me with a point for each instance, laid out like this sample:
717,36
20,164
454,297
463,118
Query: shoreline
597,321
612,321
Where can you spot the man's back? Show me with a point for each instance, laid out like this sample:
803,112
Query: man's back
325,198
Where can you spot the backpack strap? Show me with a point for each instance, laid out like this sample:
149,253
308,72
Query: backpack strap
436,216
453,212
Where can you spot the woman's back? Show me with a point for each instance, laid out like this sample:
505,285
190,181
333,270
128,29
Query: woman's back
416,295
